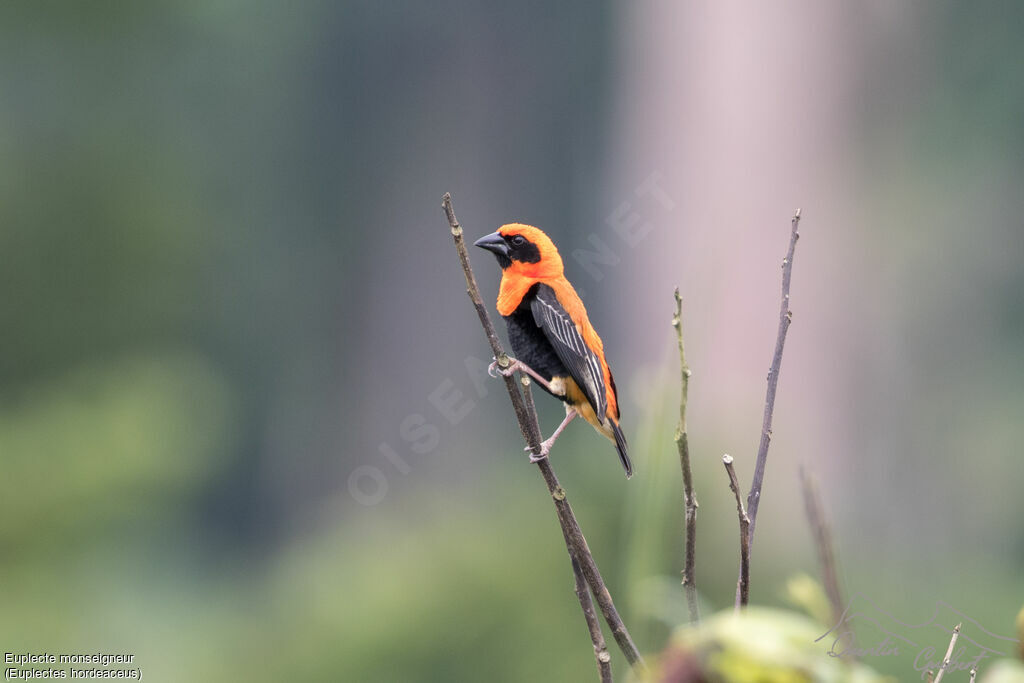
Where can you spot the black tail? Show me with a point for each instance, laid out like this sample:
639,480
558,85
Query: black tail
623,449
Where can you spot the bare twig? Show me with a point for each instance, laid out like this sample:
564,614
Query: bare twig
683,444
526,415
823,542
525,424
785,318
743,585
604,660
929,676
974,674
949,653
531,412
601,654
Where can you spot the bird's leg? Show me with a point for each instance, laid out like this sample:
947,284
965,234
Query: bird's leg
518,365
545,446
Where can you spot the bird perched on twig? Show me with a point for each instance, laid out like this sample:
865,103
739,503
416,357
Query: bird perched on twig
552,338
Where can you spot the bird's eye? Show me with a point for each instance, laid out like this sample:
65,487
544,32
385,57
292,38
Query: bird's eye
518,241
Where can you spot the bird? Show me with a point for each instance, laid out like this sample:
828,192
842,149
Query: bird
551,336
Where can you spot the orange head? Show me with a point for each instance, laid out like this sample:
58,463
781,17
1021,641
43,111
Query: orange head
523,250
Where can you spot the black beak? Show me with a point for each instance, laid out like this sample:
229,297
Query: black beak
493,242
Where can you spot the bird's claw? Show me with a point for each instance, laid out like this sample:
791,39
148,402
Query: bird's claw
495,369
545,449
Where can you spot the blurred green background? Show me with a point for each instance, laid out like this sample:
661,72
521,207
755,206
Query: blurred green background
244,432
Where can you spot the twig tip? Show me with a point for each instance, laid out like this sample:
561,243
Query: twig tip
727,459
449,212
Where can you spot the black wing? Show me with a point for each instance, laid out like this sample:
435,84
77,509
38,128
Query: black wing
583,364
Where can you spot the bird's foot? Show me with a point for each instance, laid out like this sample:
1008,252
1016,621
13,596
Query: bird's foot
545,450
495,369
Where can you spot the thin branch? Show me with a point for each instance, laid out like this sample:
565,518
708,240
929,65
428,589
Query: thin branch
974,674
601,654
525,424
526,415
604,660
949,653
743,585
823,542
533,422
785,318
683,444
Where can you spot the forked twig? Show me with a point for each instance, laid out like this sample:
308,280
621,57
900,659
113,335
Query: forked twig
785,318
604,659
689,497
601,654
526,415
743,584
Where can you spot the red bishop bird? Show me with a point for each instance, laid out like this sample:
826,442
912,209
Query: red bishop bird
552,338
